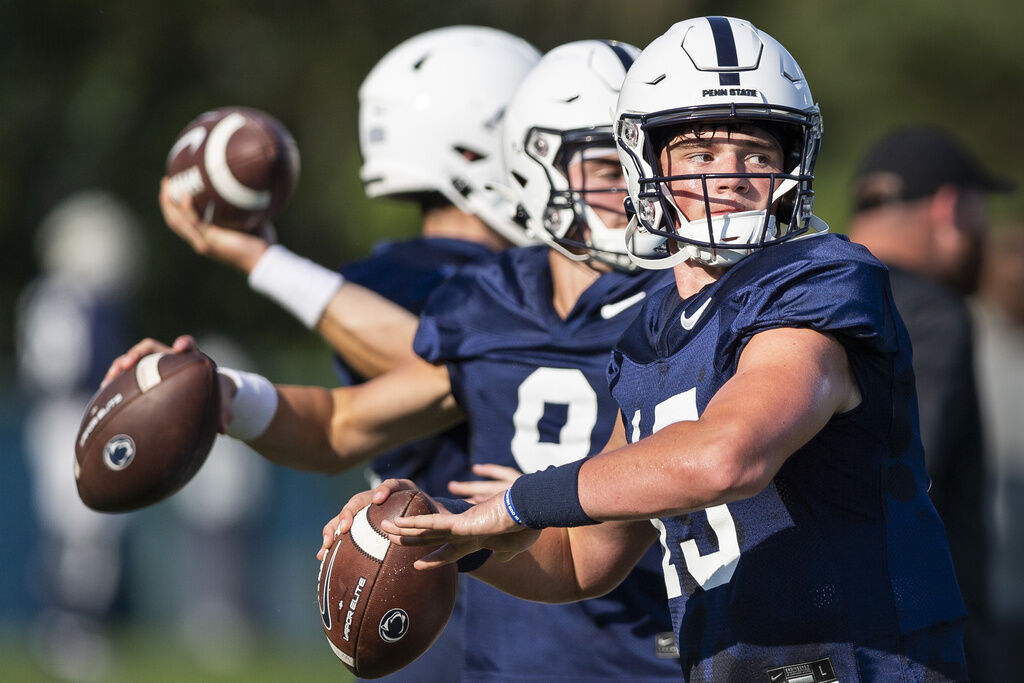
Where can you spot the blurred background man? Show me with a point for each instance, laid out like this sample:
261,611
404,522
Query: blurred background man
71,320
998,311
920,206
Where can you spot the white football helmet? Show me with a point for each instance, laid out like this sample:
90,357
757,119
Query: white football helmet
707,71
563,114
430,117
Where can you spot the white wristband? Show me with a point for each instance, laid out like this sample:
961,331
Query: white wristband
300,286
254,404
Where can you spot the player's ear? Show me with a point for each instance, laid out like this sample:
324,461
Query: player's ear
943,204
942,212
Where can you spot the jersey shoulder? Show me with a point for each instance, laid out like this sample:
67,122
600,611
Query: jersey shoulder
407,272
487,304
823,283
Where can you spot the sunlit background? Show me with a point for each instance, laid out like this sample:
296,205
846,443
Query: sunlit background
219,582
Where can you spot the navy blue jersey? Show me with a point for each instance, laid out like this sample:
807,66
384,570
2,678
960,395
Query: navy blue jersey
407,273
841,563
534,390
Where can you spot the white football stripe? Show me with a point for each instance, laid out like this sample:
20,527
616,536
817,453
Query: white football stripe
341,655
147,371
366,539
223,181
192,139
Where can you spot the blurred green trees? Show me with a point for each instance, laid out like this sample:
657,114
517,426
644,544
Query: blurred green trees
93,93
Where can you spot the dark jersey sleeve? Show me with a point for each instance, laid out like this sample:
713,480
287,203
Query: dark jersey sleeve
834,290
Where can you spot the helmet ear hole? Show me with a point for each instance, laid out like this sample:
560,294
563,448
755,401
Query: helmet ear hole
470,154
784,212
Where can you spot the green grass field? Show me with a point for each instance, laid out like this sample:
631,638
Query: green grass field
151,657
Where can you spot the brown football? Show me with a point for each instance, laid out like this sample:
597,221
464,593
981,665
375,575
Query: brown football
145,434
240,165
379,614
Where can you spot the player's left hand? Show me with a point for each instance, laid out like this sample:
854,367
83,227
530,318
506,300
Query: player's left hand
485,525
497,478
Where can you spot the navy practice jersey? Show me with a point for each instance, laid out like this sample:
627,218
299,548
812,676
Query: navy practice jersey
534,390
841,562
407,273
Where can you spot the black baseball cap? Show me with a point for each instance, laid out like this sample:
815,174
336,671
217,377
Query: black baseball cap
915,161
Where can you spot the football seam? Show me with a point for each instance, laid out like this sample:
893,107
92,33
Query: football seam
376,578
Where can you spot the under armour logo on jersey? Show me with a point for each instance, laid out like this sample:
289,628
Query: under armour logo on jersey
688,321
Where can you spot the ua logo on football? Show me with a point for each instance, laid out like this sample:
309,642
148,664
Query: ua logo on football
394,625
119,452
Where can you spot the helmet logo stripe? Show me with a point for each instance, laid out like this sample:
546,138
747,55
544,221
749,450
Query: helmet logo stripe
624,56
725,46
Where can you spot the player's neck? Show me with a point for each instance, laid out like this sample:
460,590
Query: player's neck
691,277
569,279
453,223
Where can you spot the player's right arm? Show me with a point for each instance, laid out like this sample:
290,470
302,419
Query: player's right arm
328,430
335,430
371,333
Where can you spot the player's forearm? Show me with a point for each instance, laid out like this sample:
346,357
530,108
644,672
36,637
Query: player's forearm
298,437
678,470
568,565
333,431
371,333
788,385
544,573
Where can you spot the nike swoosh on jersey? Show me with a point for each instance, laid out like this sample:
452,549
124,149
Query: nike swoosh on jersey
688,321
612,310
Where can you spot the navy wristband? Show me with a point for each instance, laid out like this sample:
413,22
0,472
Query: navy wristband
476,559
548,498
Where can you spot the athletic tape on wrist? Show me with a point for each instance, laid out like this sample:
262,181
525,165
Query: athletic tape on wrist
476,559
548,498
300,286
254,404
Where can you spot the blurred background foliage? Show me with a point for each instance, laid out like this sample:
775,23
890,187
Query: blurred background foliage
93,93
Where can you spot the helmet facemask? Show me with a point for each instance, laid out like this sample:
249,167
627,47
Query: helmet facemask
585,179
720,239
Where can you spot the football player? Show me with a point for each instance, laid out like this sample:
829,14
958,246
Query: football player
517,347
430,115
767,418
